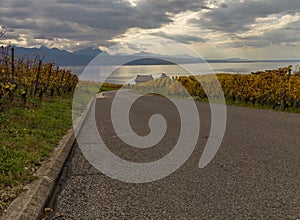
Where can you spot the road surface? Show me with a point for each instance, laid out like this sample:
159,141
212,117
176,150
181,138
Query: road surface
255,174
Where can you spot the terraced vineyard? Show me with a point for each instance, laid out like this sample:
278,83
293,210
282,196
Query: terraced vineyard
276,88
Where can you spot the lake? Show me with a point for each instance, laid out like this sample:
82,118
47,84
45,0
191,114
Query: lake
126,74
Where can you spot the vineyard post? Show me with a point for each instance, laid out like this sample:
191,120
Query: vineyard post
7,58
61,82
27,66
49,74
54,85
283,102
12,71
37,77
57,70
67,80
62,78
12,65
26,86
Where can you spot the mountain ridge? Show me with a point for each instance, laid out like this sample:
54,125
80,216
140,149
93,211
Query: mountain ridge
84,56
59,57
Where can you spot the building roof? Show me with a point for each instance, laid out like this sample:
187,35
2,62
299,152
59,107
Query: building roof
163,75
143,78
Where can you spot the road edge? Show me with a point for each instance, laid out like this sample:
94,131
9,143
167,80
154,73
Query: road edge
30,204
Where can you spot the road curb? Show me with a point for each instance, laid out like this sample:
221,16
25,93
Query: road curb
30,204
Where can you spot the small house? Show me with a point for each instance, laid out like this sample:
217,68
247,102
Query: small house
163,75
143,78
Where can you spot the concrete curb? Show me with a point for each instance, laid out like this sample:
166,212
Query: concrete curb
30,204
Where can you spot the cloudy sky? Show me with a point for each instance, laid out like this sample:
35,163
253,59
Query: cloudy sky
253,29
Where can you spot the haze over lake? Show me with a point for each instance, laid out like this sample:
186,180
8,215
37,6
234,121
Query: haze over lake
125,74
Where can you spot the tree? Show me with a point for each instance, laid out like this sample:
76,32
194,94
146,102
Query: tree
2,32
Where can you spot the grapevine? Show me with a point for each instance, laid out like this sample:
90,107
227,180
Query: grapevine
261,88
22,78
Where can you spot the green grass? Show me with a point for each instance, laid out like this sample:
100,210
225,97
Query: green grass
84,95
103,89
27,137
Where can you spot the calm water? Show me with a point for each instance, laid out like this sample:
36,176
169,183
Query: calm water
126,74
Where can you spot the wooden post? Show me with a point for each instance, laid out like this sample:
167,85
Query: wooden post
57,71
289,74
68,78
49,74
13,65
62,78
283,102
54,85
60,85
6,58
37,77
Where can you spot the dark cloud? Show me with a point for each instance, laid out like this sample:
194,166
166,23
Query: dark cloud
183,38
88,20
289,35
96,22
224,5
237,16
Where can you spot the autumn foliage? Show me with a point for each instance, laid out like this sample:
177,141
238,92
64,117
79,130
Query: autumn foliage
22,77
261,88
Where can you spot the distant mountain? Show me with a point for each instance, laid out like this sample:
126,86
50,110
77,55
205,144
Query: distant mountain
84,56
147,58
146,54
230,60
60,57
158,56
88,52
236,60
149,61
156,59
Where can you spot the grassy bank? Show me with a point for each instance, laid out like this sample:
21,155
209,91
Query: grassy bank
28,136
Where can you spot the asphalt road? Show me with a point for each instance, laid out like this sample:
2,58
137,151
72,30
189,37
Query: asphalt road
255,174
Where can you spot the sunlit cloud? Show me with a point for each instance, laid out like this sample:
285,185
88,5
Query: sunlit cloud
213,28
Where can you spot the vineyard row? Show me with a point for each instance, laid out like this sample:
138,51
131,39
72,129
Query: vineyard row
275,88
23,77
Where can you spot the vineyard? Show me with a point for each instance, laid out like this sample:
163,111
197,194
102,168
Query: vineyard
35,112
22,78
276,88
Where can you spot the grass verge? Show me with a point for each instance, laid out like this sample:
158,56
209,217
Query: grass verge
27,137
